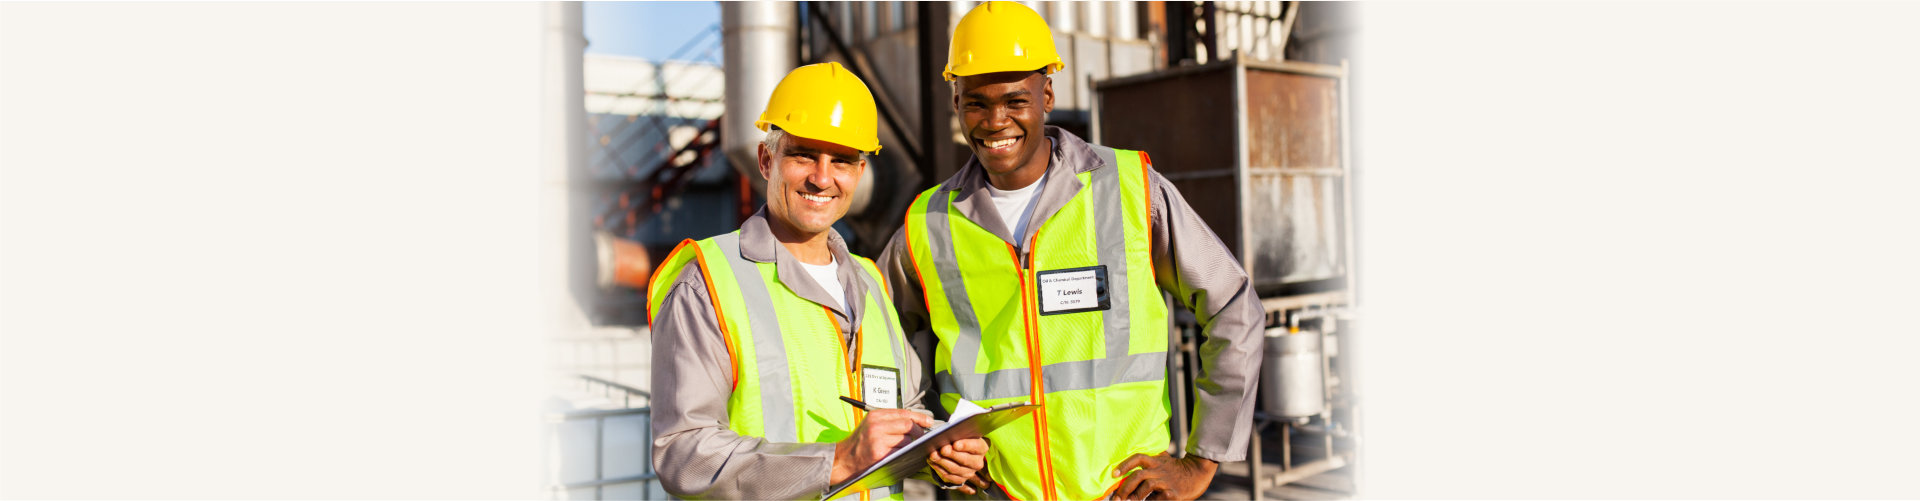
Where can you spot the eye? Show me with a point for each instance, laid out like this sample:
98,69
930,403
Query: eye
975,105
1018,103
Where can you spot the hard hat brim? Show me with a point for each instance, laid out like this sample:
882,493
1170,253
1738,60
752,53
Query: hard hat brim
817,135
980,69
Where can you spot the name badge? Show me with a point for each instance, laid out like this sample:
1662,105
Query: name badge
881,387
1073,290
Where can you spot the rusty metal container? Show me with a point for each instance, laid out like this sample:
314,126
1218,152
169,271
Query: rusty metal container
1259,149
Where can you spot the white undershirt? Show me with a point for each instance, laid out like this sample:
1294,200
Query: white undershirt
1016,205
828,276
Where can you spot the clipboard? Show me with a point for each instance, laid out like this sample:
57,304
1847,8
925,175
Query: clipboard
909,459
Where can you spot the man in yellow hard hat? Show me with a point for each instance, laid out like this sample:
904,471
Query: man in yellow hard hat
758,333
1038,268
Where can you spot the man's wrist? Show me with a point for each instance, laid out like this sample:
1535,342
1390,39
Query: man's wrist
837,467
1208,466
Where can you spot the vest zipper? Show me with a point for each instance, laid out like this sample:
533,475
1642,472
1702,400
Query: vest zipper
1031,325
853,382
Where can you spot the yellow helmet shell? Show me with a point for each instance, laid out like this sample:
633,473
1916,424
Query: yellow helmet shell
824,102
1001,36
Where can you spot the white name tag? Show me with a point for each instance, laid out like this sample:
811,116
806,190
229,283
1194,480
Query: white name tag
881,387
1073,290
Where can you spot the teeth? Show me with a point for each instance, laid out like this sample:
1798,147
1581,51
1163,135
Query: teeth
816,198
1000,143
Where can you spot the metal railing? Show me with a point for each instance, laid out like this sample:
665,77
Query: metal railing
599,417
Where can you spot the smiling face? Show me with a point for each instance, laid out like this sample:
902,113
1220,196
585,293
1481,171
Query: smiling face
809,185
1002,115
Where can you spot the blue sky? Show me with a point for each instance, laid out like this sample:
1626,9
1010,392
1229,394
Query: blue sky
649,30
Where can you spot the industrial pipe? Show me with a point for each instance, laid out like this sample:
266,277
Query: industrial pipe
621,262
758,40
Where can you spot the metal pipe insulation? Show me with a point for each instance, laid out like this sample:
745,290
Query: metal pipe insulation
758,40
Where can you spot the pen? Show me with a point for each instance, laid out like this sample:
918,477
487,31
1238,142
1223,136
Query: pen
864,407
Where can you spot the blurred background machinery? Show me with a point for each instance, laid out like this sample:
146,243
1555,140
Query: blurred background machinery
1243,103
1277,194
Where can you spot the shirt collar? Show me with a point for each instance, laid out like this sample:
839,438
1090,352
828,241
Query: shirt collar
758,244
1069,157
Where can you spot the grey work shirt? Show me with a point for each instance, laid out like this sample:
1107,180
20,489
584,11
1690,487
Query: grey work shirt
695,453
1188,261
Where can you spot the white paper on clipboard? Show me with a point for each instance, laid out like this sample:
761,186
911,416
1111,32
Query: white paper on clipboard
968,420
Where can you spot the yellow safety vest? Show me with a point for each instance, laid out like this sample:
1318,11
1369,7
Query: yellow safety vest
1080,329
789,357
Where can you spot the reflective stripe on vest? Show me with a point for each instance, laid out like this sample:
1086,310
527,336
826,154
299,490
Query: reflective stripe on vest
790,359
990,340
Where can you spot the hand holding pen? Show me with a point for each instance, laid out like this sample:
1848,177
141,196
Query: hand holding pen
957,466
878,435
856,403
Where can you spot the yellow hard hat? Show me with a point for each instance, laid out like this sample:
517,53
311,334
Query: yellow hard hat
1001,36
827,103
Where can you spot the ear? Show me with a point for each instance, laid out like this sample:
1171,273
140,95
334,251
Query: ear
766,162
956,95
860,169
1049,94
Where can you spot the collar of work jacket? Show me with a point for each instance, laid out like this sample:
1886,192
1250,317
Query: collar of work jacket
758,244
1070,157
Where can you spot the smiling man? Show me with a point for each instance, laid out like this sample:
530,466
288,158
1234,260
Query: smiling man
1038,269
759,332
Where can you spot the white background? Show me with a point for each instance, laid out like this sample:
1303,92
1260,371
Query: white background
1633,250
1609,250
270,251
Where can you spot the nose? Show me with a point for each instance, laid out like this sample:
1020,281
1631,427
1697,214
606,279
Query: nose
999,118
821,176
